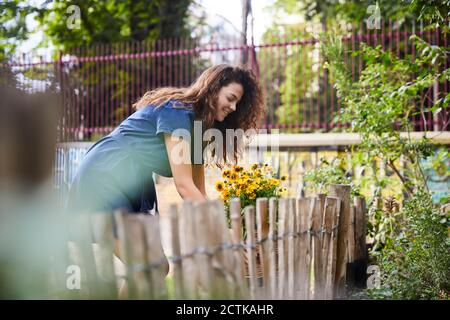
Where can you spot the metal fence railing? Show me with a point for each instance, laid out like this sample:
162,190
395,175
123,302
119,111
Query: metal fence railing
98,84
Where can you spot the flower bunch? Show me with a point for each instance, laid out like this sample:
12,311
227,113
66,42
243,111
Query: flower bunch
247,185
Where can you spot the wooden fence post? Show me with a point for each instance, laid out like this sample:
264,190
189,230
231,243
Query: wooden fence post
272,283
262,222
156,262
131,236
203,250
318,261
329,249
187,245
282,246
223,260
250,245
102,225
176,253
292,249
343,193
305,208
236,238
81,227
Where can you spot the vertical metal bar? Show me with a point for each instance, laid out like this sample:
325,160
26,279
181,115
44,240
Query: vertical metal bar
296,89
446,82
108,91
278,75
187,60
148,66
305,88
154,68
180,61
118,87
165,63
436,93
130,76
429,91
158,59
178,70
126,82
319,105
170,61
132,72
91,95
82,93
103,76
97,102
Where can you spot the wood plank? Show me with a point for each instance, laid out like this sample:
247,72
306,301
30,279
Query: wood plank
81,228
332,207
125,231
262,223
102,227
202,258
187,246
317,243
156,259
282,247
251,252
307,140
272,283
236,239
291,241
223,261
305,207
177,265
343,193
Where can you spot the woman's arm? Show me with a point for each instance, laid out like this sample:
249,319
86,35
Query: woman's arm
198,174
180,164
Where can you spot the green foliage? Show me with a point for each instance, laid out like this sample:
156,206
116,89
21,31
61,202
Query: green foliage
327,173
380,104
113,21
433,11
13,27
415,262
353,11
410,245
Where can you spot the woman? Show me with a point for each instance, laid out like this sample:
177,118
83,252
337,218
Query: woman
117,171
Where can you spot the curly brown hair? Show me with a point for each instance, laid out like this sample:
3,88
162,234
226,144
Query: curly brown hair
203,94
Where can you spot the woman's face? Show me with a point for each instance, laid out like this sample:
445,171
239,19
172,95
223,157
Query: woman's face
227,100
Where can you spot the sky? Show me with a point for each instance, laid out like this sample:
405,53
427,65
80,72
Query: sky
231,10
228,9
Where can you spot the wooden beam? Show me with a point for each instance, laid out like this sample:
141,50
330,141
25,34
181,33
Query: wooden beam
335,139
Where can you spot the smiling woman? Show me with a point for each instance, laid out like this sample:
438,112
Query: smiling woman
117,171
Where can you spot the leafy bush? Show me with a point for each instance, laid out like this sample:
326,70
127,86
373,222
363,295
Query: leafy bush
411,246
415,263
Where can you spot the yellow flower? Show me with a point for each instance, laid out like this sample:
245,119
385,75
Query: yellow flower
255,166
225,173
282,191
225,195
233,176
274,182
219,186
237,168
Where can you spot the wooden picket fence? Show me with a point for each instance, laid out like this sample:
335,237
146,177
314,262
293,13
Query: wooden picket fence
294,249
